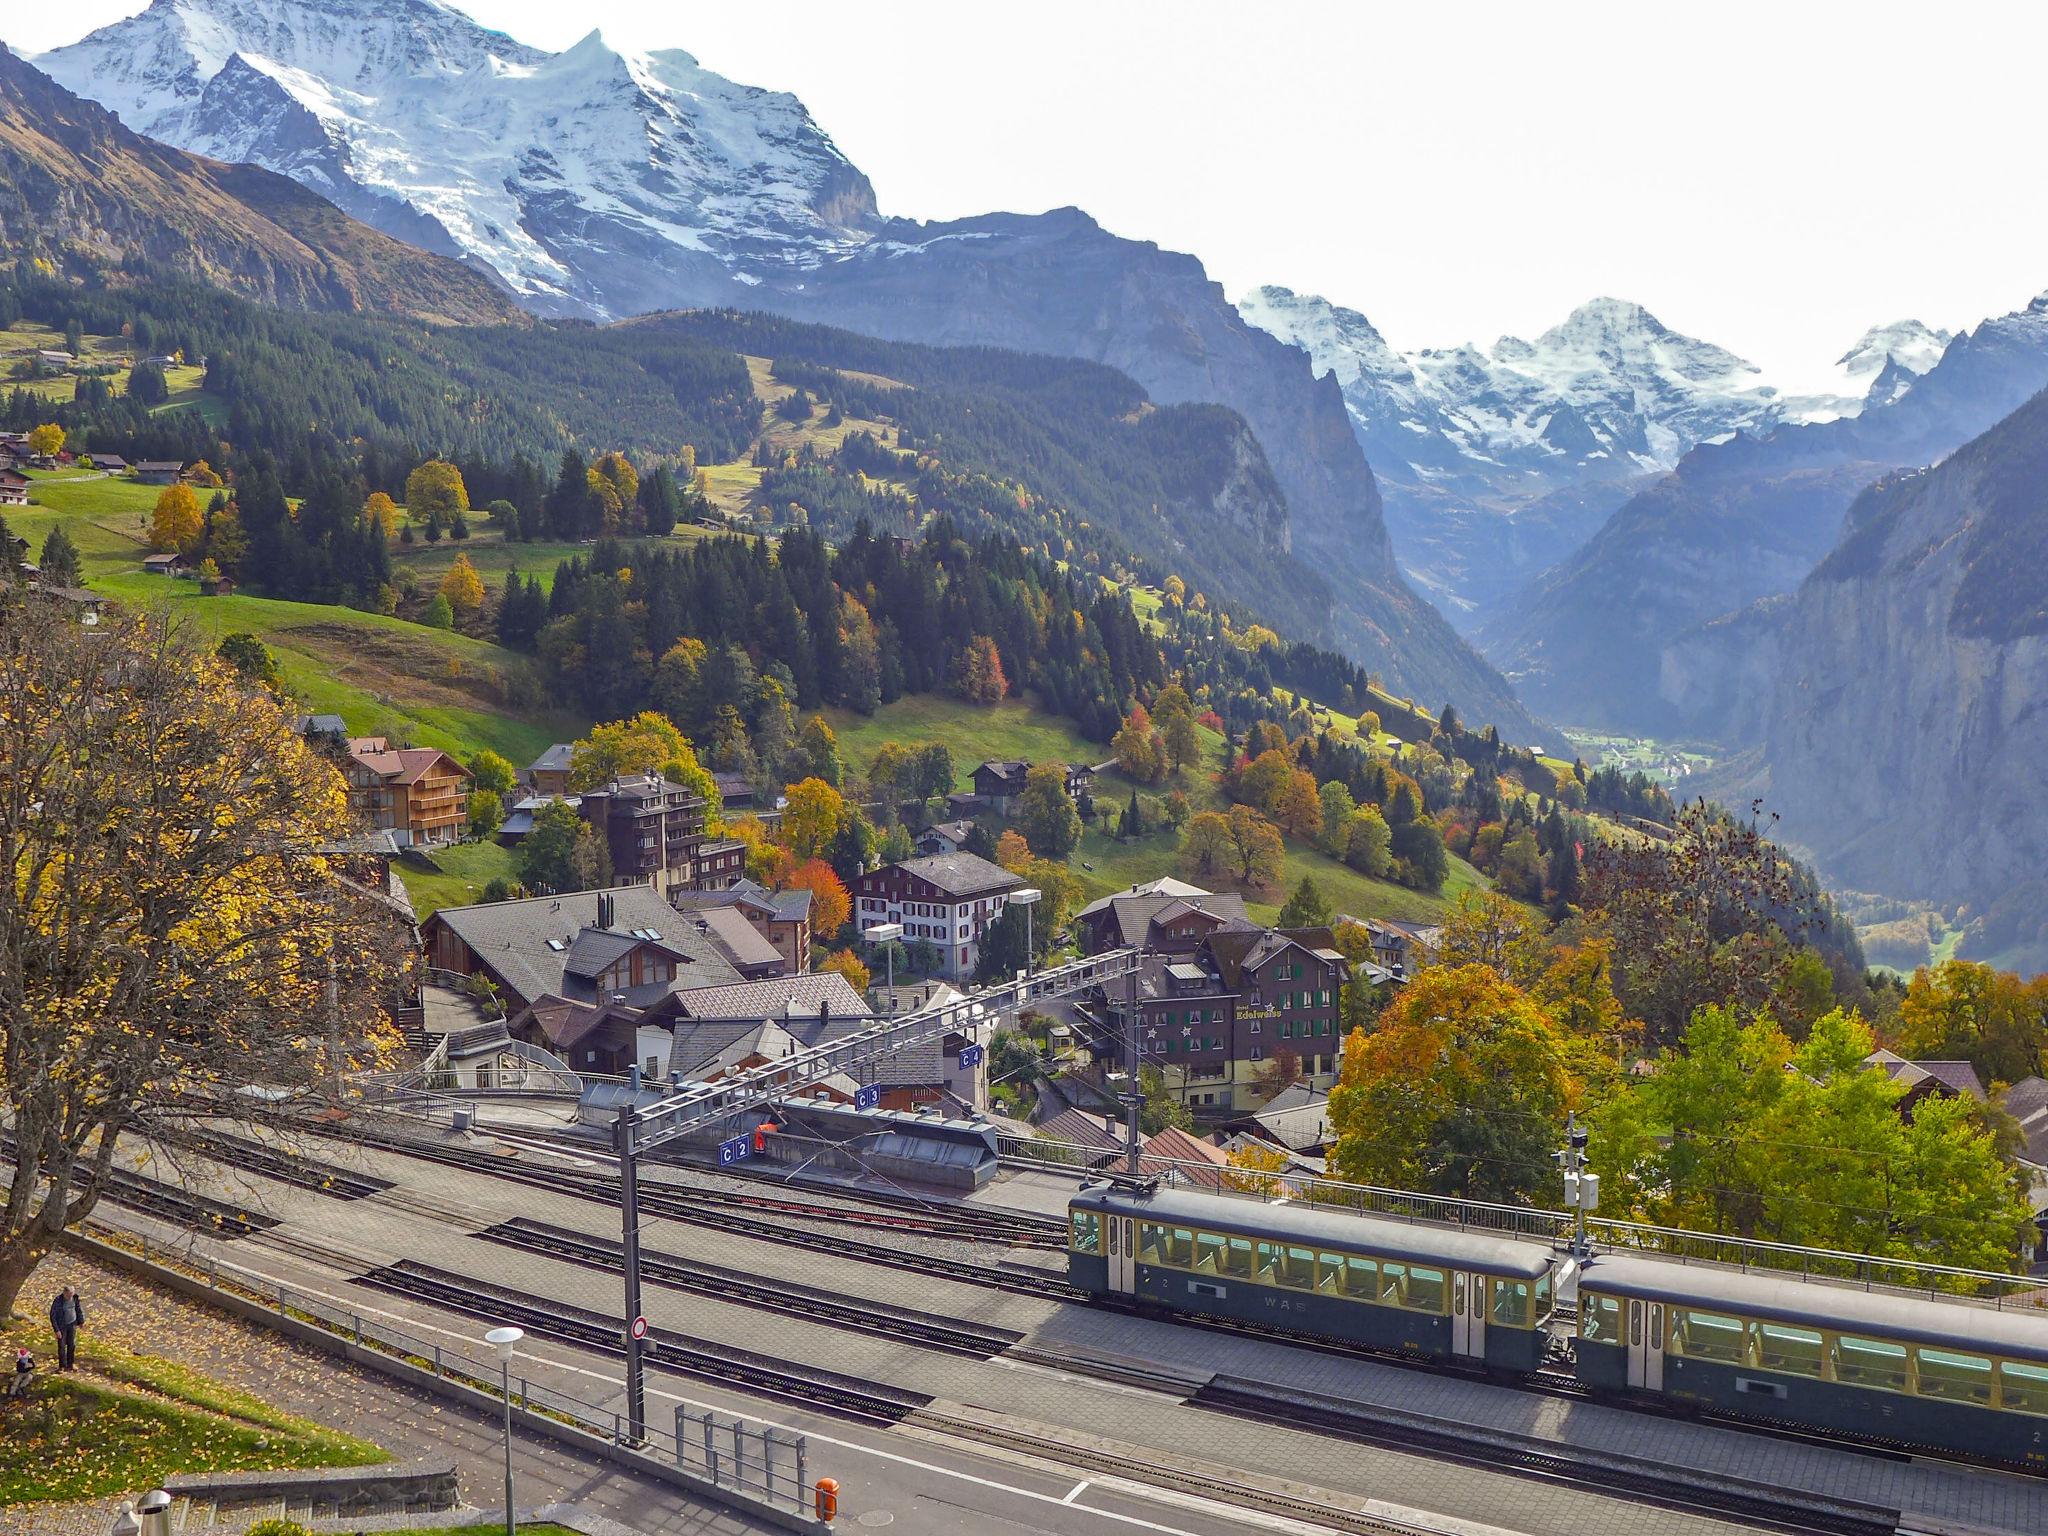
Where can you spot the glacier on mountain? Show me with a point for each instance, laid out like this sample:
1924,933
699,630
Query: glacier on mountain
593,181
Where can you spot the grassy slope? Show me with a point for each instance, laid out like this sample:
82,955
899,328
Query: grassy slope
20,342
460,879
383,676
127,1421
1014,729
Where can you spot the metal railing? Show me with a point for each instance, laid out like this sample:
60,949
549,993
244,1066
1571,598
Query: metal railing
761,1460
1863,1271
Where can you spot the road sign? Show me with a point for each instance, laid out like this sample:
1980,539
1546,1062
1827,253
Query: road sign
867,1096
971,1056
737,1150
639,1327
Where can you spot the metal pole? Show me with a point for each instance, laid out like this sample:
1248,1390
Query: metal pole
629,1218
511,1514
1028,937
1134,1096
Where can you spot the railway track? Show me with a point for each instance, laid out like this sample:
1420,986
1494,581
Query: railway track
924,1329
1776,1512
277,1163
765,1376
166,1202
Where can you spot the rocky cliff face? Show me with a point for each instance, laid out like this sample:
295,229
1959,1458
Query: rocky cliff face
78,189
1906,727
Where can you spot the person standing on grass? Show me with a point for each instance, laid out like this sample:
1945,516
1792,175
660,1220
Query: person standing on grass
67,1315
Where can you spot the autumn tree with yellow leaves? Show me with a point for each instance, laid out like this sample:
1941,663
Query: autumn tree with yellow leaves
177,523
463,588
171,932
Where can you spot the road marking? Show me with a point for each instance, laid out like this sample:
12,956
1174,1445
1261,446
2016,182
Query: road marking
1216,1508
1076,1493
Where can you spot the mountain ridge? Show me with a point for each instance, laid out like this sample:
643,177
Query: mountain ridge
80,189
763,212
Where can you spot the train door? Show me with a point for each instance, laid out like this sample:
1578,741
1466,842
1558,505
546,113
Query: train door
1123,1263
1646,1345
1468,1315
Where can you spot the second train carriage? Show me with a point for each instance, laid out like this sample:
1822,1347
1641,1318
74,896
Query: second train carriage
1448,1295
1942,1374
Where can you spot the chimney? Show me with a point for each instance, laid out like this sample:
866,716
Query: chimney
604,909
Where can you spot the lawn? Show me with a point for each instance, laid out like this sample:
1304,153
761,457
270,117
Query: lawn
489,553
384,676
127,1421
465,870
974,733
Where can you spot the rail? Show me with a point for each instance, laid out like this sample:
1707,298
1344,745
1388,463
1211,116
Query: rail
1863,1271
763,1461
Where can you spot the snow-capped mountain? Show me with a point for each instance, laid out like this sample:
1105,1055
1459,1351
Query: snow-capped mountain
1611,392
1499,461
592,181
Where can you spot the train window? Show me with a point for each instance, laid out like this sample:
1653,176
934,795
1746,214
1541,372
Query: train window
1181,1254
1238,1256
1635,1323
1708,1336
2023,1388
1511,1303
1116,1227
1458,1295
1870,1363
1958,1378
1209,1249
1543,1298
1300,1270
1393,1282
1151,1242
1656,1326
1087,1232
1361,1277
1781,1348
1599,1319
1269,1257
1426,1289
1329,1272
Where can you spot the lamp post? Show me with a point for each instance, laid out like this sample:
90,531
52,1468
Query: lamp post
504,1340
886,933
1027,898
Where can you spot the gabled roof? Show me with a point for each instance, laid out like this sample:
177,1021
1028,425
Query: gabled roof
554,760
320,725
1958,1077
1127,918
770,997
1174,1145
513,937
596,950
1238,950
954,832
1081,1128
404,765
1005,768
960,875
739,940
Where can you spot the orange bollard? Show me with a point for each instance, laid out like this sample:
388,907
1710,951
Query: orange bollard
828,1498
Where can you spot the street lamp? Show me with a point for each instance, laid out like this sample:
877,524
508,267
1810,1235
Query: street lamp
504,1340
886,933
1027,898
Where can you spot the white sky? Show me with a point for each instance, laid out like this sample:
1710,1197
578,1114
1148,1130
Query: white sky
1772,177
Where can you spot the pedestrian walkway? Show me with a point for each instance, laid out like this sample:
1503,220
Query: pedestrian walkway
408,1424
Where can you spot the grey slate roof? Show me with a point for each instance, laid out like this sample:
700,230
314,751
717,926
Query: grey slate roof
773,997
961,875
1131,917
511,937
713,1024
741,942
554,760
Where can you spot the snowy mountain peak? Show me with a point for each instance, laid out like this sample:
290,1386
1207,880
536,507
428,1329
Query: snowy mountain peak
1609,391
594,181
